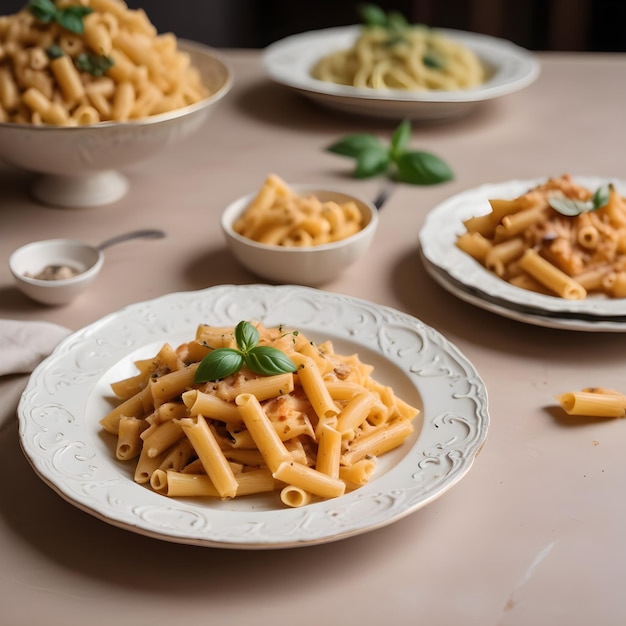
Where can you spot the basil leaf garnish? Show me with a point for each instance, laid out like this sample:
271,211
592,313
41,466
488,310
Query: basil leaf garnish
268,361
601,196
396,22
246,336
93,64
433,60
54,51
223,362
219,364
44,10
372,15
70,18
571,208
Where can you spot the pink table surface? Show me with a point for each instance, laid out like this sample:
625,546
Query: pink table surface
534,534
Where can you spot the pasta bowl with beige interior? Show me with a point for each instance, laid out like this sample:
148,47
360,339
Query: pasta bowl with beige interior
79,166
300,261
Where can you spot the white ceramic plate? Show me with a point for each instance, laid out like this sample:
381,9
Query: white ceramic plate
444,223
290,60
479,299
68,393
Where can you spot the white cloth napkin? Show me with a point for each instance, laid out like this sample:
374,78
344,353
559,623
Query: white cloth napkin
23,345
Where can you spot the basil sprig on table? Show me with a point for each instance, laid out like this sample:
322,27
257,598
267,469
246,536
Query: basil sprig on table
264,360
71,17
572,208
373,157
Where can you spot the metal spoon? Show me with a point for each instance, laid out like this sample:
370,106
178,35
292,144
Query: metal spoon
146,233
383,194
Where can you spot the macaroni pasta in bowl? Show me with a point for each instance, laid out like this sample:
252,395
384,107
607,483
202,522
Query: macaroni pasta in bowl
81,62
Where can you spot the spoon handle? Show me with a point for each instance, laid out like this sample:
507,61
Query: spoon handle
383,194
148,233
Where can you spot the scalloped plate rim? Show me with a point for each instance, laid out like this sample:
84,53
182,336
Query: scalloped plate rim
85,353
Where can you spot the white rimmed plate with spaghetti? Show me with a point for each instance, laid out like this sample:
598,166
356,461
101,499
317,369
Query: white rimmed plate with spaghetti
289,62
67,395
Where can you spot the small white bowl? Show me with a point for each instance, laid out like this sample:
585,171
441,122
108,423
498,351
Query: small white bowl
310,265
32,258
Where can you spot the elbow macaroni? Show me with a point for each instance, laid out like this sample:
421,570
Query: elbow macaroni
419,60
316,435
148,75
532,246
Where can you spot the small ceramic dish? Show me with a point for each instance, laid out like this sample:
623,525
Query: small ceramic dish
55,271
301,265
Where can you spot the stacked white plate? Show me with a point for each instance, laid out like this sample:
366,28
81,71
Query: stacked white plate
467,279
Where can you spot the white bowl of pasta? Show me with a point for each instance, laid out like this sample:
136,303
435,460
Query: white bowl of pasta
298,234
75,127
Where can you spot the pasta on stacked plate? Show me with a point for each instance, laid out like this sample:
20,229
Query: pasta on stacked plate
559,238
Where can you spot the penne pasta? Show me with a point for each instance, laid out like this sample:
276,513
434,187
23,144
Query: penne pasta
308,434
534,244
278,216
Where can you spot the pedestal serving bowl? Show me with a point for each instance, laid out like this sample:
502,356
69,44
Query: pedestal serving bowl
78,166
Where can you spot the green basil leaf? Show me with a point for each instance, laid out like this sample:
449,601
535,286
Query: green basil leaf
353,145
54,51
422,168
93,64
394,40
569,207
372,15
601,196
396,22
433,60
400,139
246,335
44,10
71,18
218,364
269,361
372,162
